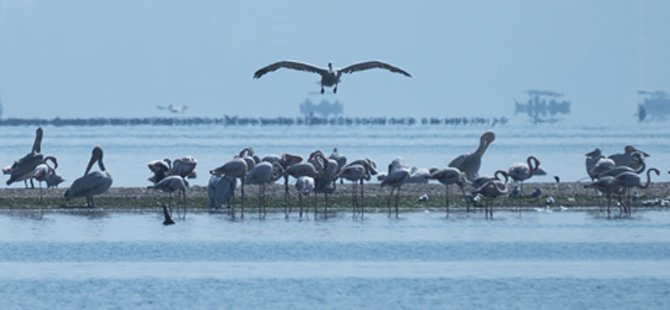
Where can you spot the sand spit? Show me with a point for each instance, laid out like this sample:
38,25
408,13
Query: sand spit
125,198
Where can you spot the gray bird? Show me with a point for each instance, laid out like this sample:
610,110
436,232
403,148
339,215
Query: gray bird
395,178
449,176
22,169
628,180
591,160
627,158
470,163
93,183
329,77
262,174
491,190
305,186
236,168
220,189
174,184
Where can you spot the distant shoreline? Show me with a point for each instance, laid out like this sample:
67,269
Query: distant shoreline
569,195
256,121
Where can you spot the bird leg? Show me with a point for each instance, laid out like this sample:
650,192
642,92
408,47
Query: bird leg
322,90
300,202
446,198
286,205
335,89
388,201
397,197
242,196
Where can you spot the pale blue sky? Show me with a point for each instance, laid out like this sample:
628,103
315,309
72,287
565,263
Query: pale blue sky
122,57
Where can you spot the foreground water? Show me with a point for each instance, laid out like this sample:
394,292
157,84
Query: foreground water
537,260
128,149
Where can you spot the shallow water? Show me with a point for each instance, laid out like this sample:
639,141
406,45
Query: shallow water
423,260
561,148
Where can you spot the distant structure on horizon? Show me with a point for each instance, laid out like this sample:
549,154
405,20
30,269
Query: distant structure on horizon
543,106
654,106
324,109
172,108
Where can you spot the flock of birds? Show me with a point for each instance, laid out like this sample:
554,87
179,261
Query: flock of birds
612,176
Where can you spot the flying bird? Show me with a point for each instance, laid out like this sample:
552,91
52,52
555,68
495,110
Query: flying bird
329,77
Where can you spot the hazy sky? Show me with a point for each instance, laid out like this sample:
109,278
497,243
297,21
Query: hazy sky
122,57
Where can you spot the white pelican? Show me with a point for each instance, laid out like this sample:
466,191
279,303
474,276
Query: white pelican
470,163
329,77
93,183
22,169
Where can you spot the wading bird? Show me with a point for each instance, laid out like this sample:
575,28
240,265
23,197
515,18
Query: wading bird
520,172
329,77
22,169
174,184
449,176
470,163
236,168
93,183
628,180
628,158
491,190
397,176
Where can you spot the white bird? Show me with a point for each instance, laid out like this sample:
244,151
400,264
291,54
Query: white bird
42,172
470,163
329,77
236,168
263,174
219,189
591,159
520,172
93,183
305,186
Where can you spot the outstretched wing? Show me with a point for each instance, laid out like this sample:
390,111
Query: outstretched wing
373,64
289,65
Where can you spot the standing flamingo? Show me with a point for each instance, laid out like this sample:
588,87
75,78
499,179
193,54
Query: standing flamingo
397,176
449,176
470,163
491,190
236,168
261,175
628,180
174,184
297,171
520,172
355,173
93,183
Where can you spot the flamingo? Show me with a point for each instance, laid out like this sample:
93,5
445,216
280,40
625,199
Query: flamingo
305,186
297,171
167,218
324,181
93,183
42,171
369,165
219,189
520,172
355,173
339,158
236,168
329,77
261,175
628,180
159,168
183,167
470,163
448,176
174,184
397,176
491,190
608,186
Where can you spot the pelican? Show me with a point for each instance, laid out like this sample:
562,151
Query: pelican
628,158
470,163
606,166
22,169
159,168
93,183
591,159
329,77
174,184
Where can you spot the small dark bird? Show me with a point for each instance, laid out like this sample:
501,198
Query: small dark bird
168,219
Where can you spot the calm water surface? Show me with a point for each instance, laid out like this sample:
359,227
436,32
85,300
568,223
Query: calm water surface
546,260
